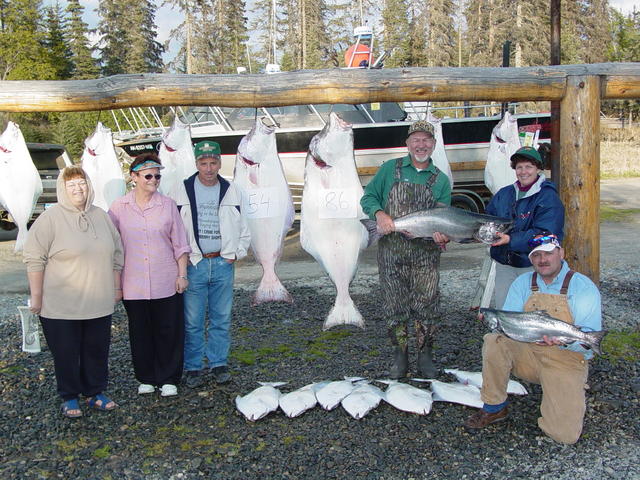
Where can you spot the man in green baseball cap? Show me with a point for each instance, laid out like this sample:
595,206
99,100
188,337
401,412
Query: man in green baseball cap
218,235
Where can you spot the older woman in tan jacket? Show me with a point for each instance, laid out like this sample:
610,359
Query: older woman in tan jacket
74,258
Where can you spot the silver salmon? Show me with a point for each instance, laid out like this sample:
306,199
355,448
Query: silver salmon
459,225
532,326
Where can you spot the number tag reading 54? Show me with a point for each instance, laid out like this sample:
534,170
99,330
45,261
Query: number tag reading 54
260,203
338,203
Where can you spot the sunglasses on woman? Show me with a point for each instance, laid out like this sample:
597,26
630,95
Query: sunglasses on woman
149,176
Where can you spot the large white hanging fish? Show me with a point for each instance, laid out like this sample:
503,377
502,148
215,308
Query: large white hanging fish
407,398
332,394
20,183
461,393
475,379
100,161
299,401
504,143
330,228
439,155
176,155
267,206
261,401
362,399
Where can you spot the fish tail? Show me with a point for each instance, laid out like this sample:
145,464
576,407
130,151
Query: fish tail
594,340
372,229
20,239
271,290
344,313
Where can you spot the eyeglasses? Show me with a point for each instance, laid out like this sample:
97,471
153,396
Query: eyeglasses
544,239
72,185
149,176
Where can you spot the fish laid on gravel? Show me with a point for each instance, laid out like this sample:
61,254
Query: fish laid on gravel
330,229
267,205
532,326
100,161
439,155
330,396
461,393
176,155
407,398
364,398
475,379
459,225
504,143
261,401
20,183
299,401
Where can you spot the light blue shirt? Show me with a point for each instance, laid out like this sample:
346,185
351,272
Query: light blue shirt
583,298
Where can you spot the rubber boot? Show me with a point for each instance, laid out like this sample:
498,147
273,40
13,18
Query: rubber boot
424,364
400,363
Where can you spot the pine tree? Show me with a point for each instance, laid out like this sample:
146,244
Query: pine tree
143,53
56,43
84,65
113,27
22,52
395,21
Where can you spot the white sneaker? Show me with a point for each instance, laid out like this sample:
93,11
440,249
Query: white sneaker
168,390
145,388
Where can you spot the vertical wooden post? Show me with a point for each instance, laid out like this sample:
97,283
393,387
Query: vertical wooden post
555,106
580,179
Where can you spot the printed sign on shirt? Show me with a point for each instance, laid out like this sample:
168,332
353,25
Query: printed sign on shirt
338,203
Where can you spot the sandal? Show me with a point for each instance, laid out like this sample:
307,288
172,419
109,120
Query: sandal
68,406
104,401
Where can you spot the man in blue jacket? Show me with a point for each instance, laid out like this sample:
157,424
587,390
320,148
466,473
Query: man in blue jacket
533,204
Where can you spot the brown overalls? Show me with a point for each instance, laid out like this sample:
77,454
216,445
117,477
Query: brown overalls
408,269
562,373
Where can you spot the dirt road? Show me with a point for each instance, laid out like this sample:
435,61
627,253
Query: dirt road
618,247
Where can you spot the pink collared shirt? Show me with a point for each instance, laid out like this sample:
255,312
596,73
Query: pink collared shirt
153,240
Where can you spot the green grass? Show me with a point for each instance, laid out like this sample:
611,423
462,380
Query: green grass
611,214
622,345
103,452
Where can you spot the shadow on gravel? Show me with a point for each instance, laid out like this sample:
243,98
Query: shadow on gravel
199,434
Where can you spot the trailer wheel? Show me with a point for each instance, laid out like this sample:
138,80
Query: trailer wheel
464,202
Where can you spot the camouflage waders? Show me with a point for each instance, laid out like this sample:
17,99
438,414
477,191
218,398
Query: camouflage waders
409,269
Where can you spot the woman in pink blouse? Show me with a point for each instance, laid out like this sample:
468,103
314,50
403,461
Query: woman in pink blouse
153,278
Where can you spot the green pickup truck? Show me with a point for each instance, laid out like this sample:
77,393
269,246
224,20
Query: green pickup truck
49,159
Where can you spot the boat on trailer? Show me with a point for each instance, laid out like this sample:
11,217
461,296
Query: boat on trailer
379,131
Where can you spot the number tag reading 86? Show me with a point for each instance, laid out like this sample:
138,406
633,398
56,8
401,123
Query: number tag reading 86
260,203
338,203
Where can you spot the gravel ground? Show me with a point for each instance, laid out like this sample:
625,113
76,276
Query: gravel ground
199,434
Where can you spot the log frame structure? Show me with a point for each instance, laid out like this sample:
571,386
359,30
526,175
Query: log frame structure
578,88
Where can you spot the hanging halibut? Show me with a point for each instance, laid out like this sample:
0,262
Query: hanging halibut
100,161
266,204
20,183
504,143
176,155
330,228
439,155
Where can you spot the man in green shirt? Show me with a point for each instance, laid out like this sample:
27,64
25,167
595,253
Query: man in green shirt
408,268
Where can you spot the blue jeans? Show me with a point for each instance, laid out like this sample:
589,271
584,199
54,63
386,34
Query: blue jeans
210,282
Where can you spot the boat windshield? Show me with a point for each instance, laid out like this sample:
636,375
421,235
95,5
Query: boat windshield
297,116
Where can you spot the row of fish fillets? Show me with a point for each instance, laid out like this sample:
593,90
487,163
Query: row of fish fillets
358,396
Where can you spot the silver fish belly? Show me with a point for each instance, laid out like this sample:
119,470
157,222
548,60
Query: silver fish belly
458,224
531,327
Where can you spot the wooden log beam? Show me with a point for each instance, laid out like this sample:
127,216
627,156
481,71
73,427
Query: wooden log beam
621,80
580,179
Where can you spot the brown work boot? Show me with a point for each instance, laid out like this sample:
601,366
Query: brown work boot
481,418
